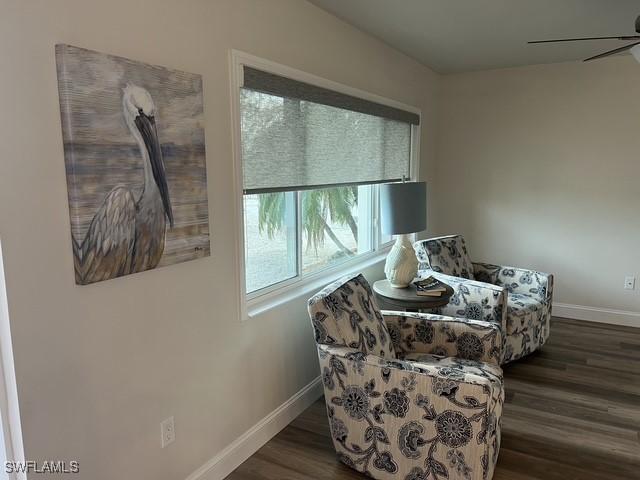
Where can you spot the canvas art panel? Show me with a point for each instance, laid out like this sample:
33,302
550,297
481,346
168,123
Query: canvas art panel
134,153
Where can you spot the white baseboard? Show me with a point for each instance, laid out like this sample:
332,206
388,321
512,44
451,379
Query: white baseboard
250,441
594,314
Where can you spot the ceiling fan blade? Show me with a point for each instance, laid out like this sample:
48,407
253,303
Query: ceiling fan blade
612,52
622,37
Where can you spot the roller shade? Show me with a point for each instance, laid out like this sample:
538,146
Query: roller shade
297,136
286,87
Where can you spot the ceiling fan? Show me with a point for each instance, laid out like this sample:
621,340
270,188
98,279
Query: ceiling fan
634,47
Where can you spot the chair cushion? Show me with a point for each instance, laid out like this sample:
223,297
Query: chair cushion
446,255
523,311
346,313
470,371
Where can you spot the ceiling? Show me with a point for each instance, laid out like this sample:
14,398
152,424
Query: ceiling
463,35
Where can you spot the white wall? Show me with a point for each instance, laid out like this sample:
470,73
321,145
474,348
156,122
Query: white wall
98,367
539,167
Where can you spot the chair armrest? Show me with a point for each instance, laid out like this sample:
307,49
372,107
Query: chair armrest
447,336
383,413
473,300
517,280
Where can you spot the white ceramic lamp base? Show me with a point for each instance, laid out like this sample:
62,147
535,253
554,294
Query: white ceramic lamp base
401,266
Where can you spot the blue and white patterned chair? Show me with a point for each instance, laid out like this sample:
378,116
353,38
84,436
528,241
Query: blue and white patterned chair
409,396
517,299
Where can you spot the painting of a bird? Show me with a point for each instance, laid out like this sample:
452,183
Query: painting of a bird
127,234
123,182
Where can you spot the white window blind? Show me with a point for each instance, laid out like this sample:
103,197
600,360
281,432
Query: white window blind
297,136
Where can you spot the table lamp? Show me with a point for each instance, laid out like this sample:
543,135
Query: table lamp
403,210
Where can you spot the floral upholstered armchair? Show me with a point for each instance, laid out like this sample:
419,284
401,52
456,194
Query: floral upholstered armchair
409,396
518,300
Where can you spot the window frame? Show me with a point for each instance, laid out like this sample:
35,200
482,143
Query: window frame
257,302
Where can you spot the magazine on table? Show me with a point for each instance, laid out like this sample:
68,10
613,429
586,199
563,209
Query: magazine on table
429,287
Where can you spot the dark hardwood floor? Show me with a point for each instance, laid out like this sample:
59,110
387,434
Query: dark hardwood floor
572,412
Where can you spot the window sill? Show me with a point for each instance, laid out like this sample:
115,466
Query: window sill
257,306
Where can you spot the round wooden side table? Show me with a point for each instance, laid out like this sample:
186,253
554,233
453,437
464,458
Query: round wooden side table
406,298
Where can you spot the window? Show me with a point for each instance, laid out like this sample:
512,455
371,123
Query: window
312,159
335,225
271,238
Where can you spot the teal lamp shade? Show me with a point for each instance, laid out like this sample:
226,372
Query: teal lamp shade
403,207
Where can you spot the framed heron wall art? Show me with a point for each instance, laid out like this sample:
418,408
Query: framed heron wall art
135,161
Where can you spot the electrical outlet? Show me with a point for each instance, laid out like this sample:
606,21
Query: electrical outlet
629,283
168,431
